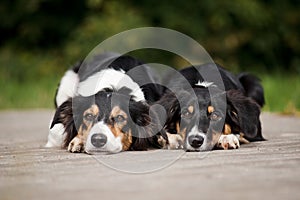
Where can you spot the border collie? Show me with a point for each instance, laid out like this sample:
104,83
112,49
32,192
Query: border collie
203,114
102,104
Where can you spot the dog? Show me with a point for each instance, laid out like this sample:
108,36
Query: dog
217,112
102,104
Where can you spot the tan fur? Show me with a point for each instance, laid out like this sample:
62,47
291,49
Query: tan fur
182,133
177,127
191,109
116,128
242,139
77,143
227,129
210,109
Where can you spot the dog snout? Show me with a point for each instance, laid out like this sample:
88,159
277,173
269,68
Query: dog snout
98,140
195,141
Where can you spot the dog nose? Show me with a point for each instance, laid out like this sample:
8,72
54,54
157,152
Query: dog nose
98,140
195,141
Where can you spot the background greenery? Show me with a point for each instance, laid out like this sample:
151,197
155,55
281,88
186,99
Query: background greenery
40,39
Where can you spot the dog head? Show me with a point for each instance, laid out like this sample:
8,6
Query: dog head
108,121
200,118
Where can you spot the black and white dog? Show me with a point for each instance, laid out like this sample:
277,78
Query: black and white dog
103,105
202,115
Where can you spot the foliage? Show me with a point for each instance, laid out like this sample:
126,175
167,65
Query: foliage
40,39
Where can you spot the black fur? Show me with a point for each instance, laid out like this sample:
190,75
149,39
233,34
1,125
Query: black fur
143,126
136,69
243,101
243,115
253,88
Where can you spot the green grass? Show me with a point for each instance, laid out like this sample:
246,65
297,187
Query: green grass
29,80
27,95
282,93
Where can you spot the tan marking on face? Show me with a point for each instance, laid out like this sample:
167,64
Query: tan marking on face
227,129
116,127
191,109
215,138
78,142
182,133
210,109
126,141
93,109
86,125
177,127
118,111
116,131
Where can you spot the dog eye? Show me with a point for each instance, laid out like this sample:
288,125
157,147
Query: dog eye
89,117
215,116
186,114
119,119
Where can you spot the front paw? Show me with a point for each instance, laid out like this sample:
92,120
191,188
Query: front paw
228,142
175,141
76,145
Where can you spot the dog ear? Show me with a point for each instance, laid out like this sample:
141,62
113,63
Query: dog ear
64,116
171,105
147,126
243,115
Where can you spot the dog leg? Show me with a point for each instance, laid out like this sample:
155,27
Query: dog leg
229,141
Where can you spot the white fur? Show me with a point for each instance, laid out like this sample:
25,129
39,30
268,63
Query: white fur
230,141
175,141
205,84
113,144
67,88
110,78
195,131
56,136
75,145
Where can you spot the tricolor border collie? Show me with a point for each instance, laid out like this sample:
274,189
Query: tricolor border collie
203,116
103,105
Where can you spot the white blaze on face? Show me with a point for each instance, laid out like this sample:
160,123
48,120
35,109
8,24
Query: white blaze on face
194,131
113,144
110,78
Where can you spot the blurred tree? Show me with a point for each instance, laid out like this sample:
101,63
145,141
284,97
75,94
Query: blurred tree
254,33
262,34
39,23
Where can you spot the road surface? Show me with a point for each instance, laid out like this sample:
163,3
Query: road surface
262,170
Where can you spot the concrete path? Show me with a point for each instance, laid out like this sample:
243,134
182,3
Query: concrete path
262,170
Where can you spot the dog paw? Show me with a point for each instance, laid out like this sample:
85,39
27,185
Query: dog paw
76,145
228,142
162,142
175,141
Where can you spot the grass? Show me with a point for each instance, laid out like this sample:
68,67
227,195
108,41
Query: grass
282,93
27,95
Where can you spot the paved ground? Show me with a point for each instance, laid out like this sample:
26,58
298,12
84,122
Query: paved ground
263,170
